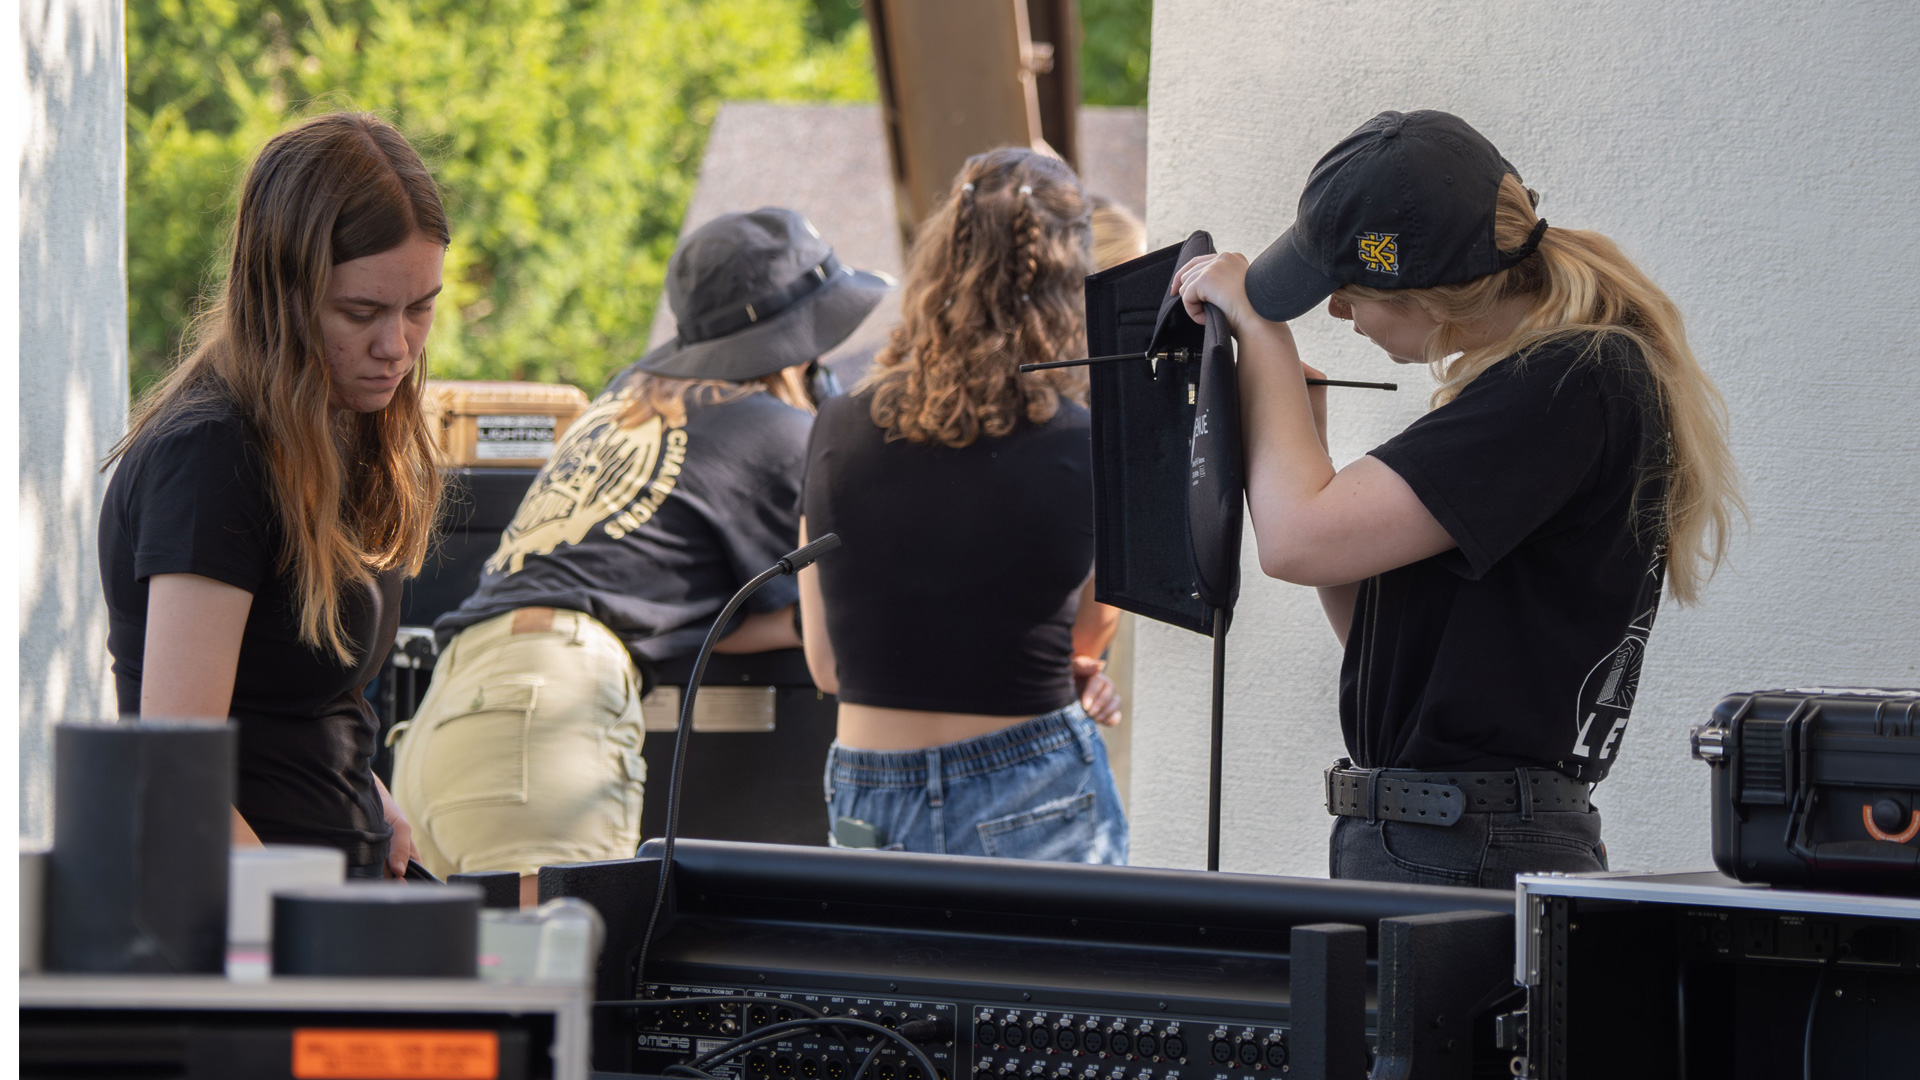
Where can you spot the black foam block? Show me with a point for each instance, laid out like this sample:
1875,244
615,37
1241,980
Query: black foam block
384,928
498,888
137,881
1438,973
1327,1001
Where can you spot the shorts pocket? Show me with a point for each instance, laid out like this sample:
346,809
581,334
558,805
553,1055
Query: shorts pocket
1059,831
478,756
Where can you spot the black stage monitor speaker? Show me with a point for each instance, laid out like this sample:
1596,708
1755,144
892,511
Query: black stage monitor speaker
1166,446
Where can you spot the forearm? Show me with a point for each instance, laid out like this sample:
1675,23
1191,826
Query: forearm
762,632
1286,461
821,663
1095,625
241,834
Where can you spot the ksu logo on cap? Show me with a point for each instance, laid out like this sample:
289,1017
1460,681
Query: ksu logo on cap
1379,252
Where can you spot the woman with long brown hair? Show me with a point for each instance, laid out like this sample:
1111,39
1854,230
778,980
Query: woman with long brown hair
958,626
1493,571
274,489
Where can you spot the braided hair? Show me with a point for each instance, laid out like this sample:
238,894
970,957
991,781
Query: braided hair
995,280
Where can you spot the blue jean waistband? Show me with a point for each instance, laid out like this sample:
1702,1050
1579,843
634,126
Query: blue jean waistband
1025,741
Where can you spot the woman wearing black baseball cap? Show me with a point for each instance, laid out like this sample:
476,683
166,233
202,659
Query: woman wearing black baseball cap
1493,570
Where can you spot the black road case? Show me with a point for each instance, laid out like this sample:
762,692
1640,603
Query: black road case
1816,786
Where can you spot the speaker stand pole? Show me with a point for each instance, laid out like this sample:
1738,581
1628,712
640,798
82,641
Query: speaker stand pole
1219,733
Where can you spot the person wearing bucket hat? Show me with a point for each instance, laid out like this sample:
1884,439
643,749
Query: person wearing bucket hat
754,294
1494,570
679,482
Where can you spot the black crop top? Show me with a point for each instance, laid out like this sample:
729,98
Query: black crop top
960,574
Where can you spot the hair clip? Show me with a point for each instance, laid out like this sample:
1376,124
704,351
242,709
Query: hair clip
968,188
1025,189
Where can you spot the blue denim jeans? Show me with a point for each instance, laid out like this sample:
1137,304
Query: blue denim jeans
1041,789
1482,850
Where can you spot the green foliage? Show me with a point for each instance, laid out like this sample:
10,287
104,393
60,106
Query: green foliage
1116,40
566,135
832,18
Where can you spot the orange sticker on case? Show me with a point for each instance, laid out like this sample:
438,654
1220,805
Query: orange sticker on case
1901,837
390,1054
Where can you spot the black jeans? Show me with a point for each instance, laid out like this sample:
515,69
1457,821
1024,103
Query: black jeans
1482,850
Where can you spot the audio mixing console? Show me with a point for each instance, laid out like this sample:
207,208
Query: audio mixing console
1027,971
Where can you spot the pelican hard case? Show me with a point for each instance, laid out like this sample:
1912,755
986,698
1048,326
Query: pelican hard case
1816,787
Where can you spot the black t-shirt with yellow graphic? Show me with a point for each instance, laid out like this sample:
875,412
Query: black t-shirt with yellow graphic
650,528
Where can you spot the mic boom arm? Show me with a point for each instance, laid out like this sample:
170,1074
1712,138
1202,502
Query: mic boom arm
790,563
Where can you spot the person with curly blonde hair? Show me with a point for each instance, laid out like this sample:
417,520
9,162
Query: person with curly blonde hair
1494,570
958,625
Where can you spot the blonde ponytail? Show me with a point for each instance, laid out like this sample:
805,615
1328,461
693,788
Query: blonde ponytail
1581,282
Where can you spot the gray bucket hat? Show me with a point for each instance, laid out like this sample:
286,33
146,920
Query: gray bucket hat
756,293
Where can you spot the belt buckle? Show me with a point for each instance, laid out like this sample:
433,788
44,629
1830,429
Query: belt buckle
1331,781
1334,782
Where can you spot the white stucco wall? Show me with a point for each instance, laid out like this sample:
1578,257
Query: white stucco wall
72,293
1758,158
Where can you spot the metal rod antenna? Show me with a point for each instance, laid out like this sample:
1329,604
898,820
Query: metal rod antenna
1083,361
1350,382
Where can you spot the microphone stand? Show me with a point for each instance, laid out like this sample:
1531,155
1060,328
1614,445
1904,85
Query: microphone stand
1220,617
791,563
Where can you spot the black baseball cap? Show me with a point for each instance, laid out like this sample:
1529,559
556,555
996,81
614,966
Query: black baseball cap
755,293
1405,202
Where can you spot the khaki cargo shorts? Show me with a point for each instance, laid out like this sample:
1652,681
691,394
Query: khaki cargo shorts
526,751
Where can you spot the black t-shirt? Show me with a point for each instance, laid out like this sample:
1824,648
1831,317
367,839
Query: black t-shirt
650,528
194,499
960,574
1523,645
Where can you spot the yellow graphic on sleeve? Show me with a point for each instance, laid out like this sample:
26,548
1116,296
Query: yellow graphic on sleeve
601,474
1380,252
